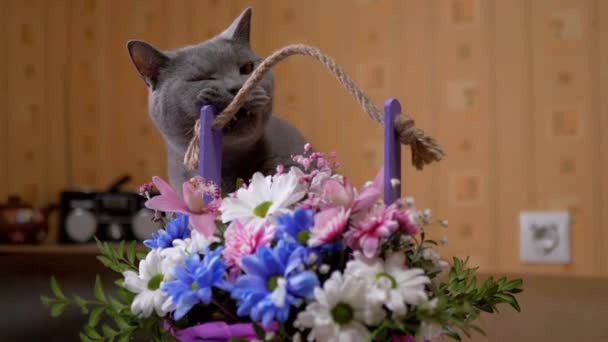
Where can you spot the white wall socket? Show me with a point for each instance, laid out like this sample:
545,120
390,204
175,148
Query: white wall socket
544,237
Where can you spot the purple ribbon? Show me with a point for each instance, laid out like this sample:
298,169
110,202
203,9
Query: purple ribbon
404,339
219,332
223,332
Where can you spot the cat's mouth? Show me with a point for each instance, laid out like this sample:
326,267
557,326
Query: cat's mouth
243,119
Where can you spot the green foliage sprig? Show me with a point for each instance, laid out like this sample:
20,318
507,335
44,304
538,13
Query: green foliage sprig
119,324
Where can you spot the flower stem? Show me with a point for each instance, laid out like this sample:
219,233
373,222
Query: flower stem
224,310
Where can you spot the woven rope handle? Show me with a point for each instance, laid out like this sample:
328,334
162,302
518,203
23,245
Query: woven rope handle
424,148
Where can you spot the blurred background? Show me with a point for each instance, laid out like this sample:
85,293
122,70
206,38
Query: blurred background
515,90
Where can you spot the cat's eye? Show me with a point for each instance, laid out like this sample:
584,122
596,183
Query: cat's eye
201,78
246,68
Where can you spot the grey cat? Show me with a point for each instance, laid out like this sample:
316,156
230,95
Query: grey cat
181,81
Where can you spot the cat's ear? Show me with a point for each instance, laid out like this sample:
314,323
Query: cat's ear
240,27
147,59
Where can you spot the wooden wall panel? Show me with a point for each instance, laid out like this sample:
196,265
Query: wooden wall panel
563,123
110,120
463,78
514,158
84,114
26,100
177,19
595,118
370,40
512,89
144,20
412,84
4,165
209,18
602,90
56,68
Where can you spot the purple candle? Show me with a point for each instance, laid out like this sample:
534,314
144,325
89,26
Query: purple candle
210,152
392,152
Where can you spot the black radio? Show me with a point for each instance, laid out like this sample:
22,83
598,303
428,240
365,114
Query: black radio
112,215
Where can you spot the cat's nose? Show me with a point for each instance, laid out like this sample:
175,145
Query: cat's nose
234,90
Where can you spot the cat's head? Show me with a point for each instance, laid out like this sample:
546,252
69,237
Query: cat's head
181,81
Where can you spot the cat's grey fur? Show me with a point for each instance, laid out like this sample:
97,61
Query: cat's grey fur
181,81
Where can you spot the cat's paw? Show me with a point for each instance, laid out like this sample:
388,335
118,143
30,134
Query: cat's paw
213,96
258,99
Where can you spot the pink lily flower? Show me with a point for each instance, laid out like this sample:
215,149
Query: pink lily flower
337,194
202,217
344,194
370,193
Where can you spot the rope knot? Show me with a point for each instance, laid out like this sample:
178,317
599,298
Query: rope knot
425,149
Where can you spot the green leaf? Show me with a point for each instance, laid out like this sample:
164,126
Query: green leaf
131,252
509,299
108,332
513,285
125,295
80,301
121,248
141,255
448,331
239,184
92,333
85,338
122,323
95,316
259,331
82,304
478,329
116,305
46,301
99,293
56,289
99,245
58,308
124,337
105,261
238,339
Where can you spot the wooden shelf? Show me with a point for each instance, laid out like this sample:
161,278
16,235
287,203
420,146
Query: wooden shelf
58,249
49,249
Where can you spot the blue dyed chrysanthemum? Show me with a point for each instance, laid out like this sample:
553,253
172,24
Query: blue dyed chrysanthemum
177,228
195,280
295,227
274,281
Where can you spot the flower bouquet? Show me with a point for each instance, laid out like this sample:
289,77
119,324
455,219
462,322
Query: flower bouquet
298,255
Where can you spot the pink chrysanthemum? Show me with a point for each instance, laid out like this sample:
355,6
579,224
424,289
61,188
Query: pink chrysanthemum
329,224
367,232
242,240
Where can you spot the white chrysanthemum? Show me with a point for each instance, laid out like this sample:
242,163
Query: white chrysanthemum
341,311
391,282
146,285
195,244
263,197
